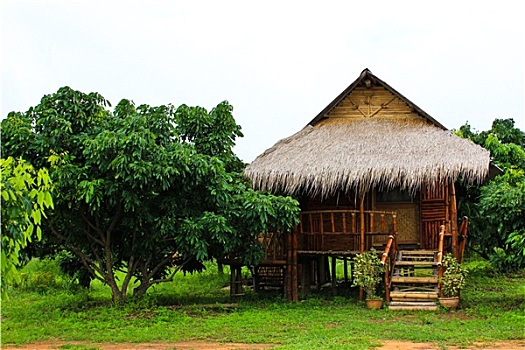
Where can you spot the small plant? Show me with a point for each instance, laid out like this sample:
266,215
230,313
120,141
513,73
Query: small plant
367,272
454,276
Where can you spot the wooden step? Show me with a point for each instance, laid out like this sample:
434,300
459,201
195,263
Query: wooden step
411,279
413,295
418,252
416,263
413,306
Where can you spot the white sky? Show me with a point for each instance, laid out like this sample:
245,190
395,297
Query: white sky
279,63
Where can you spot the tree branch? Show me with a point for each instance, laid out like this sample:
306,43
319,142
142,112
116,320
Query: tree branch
86,261
87,221
96,240
129,273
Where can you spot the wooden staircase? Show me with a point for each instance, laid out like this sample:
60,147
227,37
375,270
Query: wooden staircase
414,284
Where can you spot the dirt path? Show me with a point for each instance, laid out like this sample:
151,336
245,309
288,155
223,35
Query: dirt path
198,345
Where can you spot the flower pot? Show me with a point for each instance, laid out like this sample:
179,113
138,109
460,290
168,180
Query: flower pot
451,302
374,304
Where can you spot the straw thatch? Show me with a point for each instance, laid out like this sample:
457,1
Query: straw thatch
335,155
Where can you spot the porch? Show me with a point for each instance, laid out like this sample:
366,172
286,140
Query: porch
307,257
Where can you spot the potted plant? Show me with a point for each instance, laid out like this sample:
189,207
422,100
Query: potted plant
452,281
367,274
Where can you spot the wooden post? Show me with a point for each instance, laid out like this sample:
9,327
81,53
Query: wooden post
454,220
295,296
321,273
463,232
334,276
345,268
236,289
288,284
387,282
307,270
362,232
362,223
232,281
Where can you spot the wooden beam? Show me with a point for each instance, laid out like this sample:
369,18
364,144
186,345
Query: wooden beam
295,283
334,276
362,229
454,220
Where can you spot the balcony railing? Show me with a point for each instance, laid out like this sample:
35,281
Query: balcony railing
344,230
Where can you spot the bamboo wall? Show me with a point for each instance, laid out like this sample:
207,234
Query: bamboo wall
434,213
376,102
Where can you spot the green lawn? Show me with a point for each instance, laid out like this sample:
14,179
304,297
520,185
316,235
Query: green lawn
196,307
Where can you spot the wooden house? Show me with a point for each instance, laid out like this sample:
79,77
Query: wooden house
371,170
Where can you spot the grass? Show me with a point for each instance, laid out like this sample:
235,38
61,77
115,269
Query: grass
196,307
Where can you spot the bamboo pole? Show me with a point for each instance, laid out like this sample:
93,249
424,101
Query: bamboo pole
463,233
345,268
295,296
362,222
440,257
454,220
334,277
288,284
362,229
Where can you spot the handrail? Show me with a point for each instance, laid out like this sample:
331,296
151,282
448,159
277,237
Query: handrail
440,245
463,232
392,253
386,253
440,256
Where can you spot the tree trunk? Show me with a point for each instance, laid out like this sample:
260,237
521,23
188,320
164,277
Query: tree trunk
142,288
117,295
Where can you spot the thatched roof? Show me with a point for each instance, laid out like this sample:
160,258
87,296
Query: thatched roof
332,154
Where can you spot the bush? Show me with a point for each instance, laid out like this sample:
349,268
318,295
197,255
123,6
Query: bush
42,276
367,272
454,276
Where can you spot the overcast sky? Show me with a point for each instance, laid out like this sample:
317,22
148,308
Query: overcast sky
279,63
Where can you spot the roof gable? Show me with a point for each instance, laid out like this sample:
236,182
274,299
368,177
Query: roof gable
368,81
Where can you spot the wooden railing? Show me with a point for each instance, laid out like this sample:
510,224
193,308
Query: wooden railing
344,230
463,233
274,246
439,259
333,231
387,259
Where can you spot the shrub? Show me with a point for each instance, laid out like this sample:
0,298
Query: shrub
454,276
367,272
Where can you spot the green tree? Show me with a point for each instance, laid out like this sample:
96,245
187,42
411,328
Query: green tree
26,195
144,190
497,209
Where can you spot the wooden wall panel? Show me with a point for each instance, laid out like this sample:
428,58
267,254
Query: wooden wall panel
434,213
376,102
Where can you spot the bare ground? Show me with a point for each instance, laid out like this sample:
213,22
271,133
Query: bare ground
199,345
